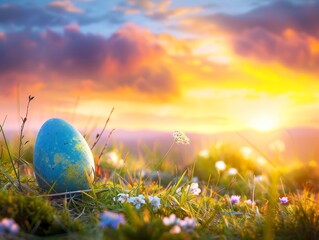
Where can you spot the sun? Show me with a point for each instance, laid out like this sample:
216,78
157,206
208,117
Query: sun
264,122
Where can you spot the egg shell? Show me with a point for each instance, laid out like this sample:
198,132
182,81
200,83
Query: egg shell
63,161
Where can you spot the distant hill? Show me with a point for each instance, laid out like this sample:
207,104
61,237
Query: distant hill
301,143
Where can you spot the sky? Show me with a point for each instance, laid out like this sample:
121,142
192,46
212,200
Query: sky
200,66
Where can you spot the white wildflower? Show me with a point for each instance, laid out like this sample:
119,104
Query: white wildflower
171,220
114,159
232,171
192,189
155,202
204,153
187,224
137,201
179,191
220,165
180,137
121,197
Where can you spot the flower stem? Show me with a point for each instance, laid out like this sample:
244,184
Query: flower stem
163,158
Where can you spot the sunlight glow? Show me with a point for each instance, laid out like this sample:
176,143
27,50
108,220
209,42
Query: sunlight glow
264,123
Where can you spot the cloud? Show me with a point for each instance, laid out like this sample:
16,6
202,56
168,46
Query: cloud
281,32
142,5
291,48
160,10
65,5
166,14
130,58
14,15
274,17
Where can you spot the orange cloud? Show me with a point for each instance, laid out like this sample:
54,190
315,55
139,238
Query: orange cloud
72,27
132,57
65,5
161,10
282,32
293,49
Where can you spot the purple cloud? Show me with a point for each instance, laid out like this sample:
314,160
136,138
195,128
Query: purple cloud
131,57
292,49
281,31
274,17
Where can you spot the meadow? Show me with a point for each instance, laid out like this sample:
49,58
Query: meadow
223,193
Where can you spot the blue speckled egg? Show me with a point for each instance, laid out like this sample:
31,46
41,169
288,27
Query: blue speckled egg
63,161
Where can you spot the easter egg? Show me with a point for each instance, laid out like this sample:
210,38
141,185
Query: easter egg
63,161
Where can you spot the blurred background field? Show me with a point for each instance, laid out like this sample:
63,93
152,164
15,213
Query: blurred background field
293,153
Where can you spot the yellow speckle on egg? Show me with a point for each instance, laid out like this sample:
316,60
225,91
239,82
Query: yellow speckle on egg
79,146
75,175
59,159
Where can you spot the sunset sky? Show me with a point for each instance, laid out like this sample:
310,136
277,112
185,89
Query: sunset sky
197,66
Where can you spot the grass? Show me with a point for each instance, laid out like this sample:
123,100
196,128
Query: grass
52,216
